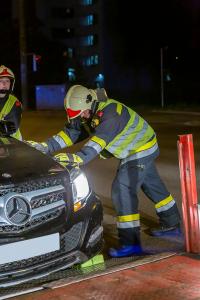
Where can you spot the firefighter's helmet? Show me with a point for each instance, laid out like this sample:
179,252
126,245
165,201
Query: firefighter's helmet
6,72
78,99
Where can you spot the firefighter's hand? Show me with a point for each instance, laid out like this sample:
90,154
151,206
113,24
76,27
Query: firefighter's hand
43,147
68,159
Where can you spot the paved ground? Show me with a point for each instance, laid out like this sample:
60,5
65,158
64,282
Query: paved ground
173,278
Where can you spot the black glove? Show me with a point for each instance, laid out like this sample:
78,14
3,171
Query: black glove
7,128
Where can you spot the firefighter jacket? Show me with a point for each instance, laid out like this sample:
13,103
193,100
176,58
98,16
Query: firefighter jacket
115,128
11,110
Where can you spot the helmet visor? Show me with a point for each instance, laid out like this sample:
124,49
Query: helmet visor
72,113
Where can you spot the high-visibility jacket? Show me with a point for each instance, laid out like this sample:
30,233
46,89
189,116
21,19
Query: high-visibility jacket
115,128
11,111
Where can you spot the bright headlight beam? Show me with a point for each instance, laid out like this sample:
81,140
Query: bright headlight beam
82,187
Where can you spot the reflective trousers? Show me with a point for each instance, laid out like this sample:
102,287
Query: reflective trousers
131,177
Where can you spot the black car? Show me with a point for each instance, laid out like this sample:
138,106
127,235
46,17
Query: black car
50,219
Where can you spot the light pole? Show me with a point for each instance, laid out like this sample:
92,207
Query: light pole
23,52
161,77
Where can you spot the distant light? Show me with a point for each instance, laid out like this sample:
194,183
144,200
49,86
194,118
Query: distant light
177,57
99,80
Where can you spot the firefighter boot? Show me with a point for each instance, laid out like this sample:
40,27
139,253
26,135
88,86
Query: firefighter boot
125,250
166,231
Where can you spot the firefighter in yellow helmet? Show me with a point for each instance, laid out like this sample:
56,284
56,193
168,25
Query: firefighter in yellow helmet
10,106
117,131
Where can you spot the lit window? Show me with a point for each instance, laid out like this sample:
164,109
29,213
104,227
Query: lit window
87,20
88,40
90,60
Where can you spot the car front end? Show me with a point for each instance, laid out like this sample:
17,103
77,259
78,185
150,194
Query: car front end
50,219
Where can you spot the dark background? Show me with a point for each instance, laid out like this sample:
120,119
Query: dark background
135,32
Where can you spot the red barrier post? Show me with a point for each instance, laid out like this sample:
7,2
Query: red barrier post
189,193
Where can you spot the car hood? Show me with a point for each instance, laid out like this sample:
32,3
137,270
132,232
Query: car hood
19,162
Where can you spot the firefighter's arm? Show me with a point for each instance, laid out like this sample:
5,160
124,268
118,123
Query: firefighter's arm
87,153
64,138
71,134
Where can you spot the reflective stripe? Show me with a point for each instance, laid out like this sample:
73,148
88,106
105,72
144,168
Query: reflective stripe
99,141
135,135
128,224
164,201
165,204
120,140
131,145
66,138
5,141
7,106
119,108
6,110
62,139
139,154
17,135
128,218
166,207
147,145
95,146
59,140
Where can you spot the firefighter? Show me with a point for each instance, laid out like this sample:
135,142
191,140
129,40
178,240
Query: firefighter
117,131
10,106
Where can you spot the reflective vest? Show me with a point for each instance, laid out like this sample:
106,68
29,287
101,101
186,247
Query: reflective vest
136,140
6,110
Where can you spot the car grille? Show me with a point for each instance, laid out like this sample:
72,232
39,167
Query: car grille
69,241
30,225
31,185
46,198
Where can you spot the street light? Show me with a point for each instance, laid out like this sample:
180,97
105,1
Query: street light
161,78
162,91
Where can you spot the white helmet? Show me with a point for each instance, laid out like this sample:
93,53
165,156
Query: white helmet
78,99
6,72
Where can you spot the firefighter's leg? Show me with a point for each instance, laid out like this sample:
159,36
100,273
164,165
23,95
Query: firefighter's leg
165,204
125,186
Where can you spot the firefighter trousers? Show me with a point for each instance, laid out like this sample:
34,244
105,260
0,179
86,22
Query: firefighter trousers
130,178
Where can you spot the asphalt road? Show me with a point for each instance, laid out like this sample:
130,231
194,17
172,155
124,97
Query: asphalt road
39,125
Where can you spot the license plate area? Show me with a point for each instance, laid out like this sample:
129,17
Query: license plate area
29,248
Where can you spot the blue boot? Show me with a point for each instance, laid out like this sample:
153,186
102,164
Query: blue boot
125,250
166,231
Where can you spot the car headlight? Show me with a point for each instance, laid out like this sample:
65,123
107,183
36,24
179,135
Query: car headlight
80,188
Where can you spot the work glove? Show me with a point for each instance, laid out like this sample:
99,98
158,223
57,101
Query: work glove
68,159
7,127
43,147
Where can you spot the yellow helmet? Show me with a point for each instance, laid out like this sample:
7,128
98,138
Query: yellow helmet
6,72
78,99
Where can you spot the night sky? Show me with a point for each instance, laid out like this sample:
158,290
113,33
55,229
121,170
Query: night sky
140,28
135,32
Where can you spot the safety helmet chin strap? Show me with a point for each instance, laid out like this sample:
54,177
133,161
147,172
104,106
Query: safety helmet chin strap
101,97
